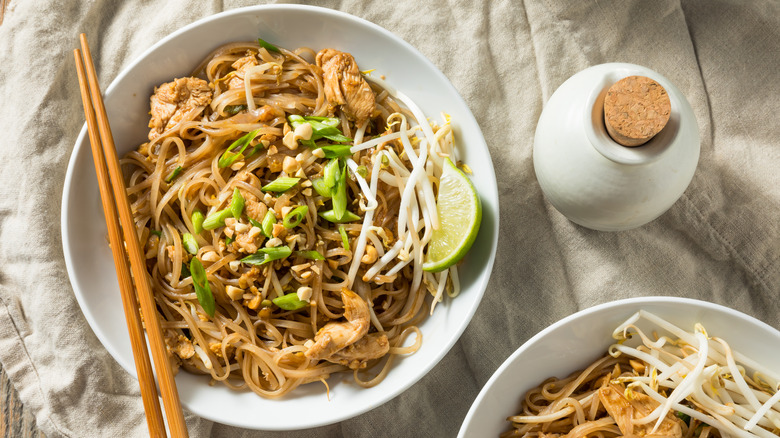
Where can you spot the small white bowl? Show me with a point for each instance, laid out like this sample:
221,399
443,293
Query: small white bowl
89,260
576,341
593,180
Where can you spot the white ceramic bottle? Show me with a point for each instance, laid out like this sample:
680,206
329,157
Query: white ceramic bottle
597,182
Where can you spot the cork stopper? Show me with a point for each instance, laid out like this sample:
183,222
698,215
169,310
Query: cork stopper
636,108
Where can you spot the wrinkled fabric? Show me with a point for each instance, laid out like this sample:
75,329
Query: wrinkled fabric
720,242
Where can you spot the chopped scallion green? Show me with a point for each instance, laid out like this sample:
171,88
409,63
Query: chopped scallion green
268,46
330,174
330,216
237,203
281,184
267,227
295,216
312,255
344,237
321,188
336,150
340,192
157,233
197,221
216,220
322,127
265,255
190,244
229,156
201,283
172,176
290,302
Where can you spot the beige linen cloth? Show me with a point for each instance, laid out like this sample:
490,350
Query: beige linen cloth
720,242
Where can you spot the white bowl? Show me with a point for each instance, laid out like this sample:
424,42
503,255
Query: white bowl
88,256
576,341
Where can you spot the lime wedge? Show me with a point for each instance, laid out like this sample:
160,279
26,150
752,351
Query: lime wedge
460,213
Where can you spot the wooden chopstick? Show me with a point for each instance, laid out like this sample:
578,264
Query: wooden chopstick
137,342
105,157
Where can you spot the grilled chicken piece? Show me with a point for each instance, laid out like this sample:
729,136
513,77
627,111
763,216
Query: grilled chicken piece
624,411
337,335
179,345
242,65
345,86
255,208
173,102
355,356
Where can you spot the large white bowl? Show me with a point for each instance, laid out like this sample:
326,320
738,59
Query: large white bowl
88,257
576,341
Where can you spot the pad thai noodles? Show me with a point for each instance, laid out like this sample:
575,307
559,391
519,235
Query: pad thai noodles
286,200
657,381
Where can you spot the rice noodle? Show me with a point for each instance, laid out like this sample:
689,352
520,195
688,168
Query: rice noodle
689,373
250,342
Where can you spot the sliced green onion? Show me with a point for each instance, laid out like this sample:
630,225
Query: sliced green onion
157,233
321,188
295,216
185,271
256,149
344,237
229,157
172,176
290,302
338,138
312,255
295,120
684,417
267,46
328,121
234,109
190,244
330,175
328,129
197,221
229,240
216,220
265,255
336,150
340,193
201,283
255,223
237,204
281,184
348,216
322,127
267,227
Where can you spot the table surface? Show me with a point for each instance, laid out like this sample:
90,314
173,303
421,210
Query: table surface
15,419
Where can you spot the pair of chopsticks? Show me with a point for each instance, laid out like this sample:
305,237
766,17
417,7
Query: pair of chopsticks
116,209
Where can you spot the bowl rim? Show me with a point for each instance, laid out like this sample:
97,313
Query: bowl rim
634,301
478,287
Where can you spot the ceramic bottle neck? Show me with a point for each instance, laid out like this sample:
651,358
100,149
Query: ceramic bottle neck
596,131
